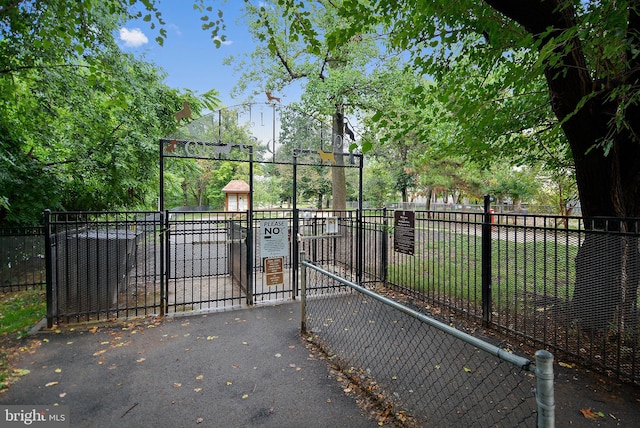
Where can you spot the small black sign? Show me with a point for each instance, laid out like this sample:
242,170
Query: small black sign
404,232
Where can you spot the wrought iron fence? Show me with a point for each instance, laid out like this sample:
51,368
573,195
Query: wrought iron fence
102,265
565,283
22,258
422,369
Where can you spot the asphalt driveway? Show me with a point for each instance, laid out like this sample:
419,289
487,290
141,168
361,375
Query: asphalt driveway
228,369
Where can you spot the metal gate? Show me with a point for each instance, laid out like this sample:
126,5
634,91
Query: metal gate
112,265
214,261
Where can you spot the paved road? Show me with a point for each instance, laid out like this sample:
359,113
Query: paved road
238,368
227,369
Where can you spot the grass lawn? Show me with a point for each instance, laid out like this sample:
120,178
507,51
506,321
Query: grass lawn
19,312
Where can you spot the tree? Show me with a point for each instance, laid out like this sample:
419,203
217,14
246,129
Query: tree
377,186
516,184
202,180
336,80
585,54
79,119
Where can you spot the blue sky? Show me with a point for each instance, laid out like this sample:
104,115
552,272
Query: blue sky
188,55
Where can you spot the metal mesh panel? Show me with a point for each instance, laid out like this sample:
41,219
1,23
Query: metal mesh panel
22,258
206,260
438,379
446,266
338,251
103,265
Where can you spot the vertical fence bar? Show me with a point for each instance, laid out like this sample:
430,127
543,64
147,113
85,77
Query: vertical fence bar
544,389
295,225
49,266
384,268
303,293
249,238
165,261
486,262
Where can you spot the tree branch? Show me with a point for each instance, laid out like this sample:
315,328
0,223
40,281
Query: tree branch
548,20
41,67
8,7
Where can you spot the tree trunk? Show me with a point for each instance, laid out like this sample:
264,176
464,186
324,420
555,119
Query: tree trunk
338,175
607,265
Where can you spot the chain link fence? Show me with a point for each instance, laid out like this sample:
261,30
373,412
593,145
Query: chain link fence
426,372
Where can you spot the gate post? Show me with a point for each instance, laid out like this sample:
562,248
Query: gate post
295,226
48,266
303,293
544,389
384,244
486,262
249,238
165,262
359,221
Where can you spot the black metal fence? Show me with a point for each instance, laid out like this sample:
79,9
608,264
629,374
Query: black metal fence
102,265
563,283
22,258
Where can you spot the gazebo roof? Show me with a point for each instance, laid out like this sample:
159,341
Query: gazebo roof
236,186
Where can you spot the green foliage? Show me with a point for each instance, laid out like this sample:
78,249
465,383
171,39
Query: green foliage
378,185
79,119
199,182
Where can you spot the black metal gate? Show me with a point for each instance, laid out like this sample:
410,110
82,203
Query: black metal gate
111,265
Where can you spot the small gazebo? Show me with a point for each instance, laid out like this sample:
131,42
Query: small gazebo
237,196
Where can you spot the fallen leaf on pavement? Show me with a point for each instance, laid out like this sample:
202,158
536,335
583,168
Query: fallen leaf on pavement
51,384
589,414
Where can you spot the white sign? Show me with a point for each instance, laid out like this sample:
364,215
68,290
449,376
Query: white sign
331,226
274,238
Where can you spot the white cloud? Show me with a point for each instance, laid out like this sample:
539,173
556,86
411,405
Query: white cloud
133,38
224,43
175,29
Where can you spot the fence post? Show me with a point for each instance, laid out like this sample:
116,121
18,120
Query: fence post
384,244
544,389
48,254
303,293
165,261
486,262
248,243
